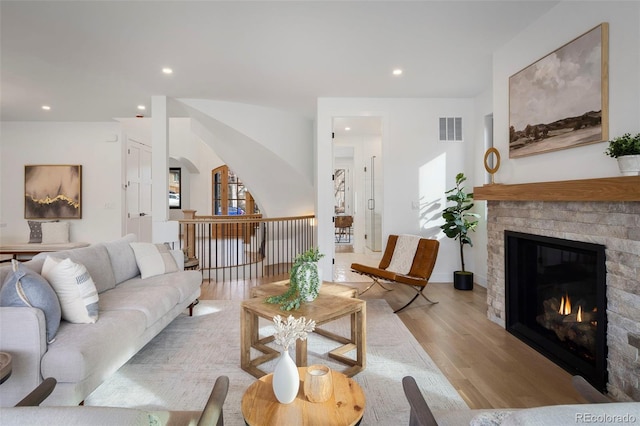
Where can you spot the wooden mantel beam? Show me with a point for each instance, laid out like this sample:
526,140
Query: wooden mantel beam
624,188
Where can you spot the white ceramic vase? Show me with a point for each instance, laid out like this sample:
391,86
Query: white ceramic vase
310,290
629,165
286,379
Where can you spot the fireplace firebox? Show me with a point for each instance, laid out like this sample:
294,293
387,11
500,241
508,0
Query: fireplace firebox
556,301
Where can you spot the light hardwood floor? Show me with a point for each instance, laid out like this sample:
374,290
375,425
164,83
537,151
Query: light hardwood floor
489,367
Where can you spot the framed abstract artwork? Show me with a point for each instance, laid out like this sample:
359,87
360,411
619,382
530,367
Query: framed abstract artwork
53,192
561,101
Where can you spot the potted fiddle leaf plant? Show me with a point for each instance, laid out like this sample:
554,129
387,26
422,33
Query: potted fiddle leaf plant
458,222
626,149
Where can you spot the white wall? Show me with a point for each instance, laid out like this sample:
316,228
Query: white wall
565,22
417,168
196,159
269,149
483,107
562,24
95,146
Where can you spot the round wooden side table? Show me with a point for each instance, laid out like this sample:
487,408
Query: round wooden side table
192,264
345,407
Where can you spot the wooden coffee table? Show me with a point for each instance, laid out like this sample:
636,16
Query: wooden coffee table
345,407
280,287
324,309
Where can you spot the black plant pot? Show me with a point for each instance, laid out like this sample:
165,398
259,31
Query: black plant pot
463,280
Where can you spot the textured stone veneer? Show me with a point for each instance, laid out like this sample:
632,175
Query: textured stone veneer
616,225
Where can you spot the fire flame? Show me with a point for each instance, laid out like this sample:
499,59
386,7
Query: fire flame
579,314
565,305
565,308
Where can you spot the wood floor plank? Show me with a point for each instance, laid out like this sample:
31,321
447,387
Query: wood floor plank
488,366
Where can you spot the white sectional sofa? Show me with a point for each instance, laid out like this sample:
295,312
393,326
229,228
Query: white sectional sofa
132,311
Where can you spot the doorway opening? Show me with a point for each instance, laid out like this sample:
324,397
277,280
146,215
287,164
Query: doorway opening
357,174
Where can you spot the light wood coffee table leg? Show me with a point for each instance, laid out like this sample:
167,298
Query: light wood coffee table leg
361,338
245,338
358,343
250,338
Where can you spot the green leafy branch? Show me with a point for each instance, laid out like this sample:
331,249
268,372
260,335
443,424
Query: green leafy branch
292,298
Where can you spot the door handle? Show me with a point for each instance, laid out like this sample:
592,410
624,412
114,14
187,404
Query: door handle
371,204
143,214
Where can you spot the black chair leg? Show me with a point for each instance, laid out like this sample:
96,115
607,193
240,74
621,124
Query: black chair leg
418,293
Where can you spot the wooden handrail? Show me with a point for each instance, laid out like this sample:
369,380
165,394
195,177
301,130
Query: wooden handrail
235,241
242,218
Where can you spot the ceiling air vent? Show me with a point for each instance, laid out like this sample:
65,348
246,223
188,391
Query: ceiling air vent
450,128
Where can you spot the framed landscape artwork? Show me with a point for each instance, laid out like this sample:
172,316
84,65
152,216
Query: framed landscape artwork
52,192
561,101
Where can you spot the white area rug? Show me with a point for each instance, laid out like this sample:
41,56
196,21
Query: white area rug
177,369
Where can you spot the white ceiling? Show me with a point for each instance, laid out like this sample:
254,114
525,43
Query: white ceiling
97,60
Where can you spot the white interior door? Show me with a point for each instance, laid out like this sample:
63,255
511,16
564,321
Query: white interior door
373,214
138,190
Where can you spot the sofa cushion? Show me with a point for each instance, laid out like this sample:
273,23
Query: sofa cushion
153,259
83,350
75,289
154,302
123,259
55,232
186,282
95,258
24,287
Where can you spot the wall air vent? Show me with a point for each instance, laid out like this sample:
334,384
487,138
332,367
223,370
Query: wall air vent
451,128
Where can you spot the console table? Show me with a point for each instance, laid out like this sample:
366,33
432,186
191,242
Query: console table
31,249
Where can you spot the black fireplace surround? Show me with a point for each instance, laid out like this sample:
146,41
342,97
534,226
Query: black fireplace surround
556,301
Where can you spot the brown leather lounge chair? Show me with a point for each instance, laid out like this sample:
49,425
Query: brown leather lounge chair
418,276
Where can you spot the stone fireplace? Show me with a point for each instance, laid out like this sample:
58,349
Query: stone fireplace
596,211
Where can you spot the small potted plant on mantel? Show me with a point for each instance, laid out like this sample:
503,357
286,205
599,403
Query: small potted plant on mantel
626,149
458,222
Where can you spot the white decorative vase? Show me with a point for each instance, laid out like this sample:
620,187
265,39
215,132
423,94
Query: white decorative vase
286,379
308,288
629,165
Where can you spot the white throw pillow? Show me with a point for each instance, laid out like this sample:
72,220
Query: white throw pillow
75,289
153,259
178,256
55,232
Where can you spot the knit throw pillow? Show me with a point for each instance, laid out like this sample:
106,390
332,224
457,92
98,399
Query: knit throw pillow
55,232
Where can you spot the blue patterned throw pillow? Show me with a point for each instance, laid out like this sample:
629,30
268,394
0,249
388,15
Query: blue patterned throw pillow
24,287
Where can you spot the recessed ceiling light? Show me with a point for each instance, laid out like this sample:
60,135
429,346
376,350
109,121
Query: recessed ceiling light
167,70
397,71
46,107
347,128
142,107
